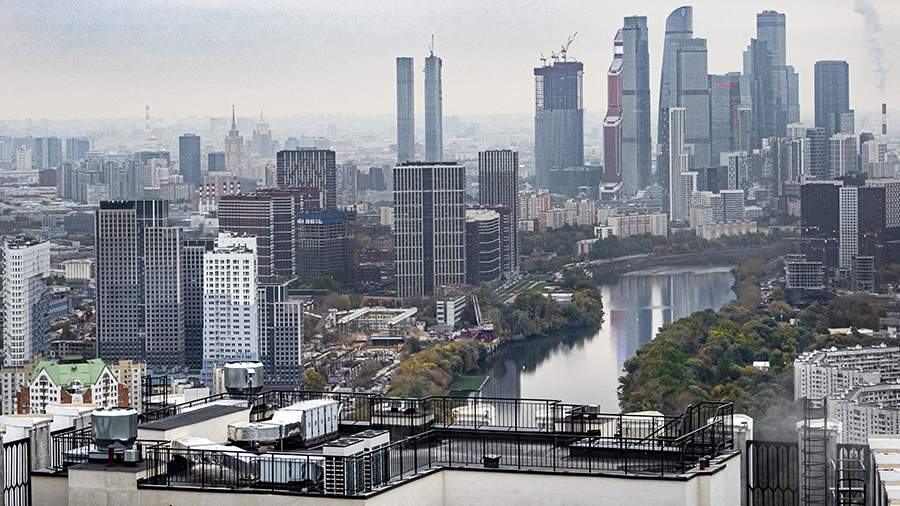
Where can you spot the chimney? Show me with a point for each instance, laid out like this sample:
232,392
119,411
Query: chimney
883,119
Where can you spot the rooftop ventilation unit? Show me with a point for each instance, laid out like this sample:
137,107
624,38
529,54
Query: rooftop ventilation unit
244,378
114,431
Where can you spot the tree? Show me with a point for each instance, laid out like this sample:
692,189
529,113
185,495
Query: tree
313,380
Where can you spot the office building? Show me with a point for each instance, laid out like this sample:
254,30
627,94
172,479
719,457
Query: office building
732,205
309,168
406,110
612,123
498,182
189,159
215,161
234,148
120,231
230,307
832,93
483,249
25,297
743,128
681,71
559,119
737,165
325,249
724,100
635,125
429,227
434,115
820,220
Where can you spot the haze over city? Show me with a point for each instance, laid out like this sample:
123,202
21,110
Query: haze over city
97,59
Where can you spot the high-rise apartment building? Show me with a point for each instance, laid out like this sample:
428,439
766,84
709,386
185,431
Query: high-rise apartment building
429,227
679,187
25,297
819,165
189,159
192,252
558,119
434,115
843,154
230,302
406,110
163,297
309,167
280,332
483,249
77,148
832,93
498,183
120,231
635,78
848,223
270,215
325,242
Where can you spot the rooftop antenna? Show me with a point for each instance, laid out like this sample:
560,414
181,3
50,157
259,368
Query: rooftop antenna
232,117
565,47
431,46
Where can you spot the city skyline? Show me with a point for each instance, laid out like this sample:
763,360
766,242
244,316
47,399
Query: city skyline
203,70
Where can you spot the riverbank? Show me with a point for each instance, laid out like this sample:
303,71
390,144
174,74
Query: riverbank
531,315
709,355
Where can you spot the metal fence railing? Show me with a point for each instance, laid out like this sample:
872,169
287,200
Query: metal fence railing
610,444
17,473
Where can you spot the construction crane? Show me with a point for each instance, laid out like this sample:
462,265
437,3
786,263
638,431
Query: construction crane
565,47
543,60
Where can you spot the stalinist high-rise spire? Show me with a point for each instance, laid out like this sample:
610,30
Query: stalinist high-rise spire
234,147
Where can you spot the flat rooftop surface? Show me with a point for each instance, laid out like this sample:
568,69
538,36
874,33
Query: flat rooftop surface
191,417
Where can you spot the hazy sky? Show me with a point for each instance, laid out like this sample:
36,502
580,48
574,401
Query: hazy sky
92,59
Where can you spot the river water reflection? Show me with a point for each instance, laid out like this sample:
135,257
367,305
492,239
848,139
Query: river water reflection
585,368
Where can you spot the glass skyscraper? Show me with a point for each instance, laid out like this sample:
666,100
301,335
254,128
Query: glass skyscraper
406,109
558,118
832,93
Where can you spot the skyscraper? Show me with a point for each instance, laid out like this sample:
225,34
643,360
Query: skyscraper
724,101
679,198
498,183
784,102
770,29
25,298
429,227
280,332
819,166
215,161
612,123
636,137
406,109
483,250
262,137
325,246
163,297
832,93
434,134
189,159
121,228
558,119
679,26
309,167
234,147
758,93
192,252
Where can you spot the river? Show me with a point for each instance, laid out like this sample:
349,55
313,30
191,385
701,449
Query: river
585,368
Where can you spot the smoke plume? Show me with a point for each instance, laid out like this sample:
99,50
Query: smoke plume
867,9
